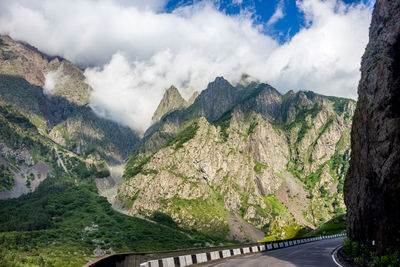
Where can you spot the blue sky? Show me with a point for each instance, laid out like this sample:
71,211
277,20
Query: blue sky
262,10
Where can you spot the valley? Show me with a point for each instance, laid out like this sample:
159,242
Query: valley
204,133
235,163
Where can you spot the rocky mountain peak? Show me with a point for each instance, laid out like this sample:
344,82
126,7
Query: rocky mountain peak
290,92
246,80
226,161
193,98
220,83
172,100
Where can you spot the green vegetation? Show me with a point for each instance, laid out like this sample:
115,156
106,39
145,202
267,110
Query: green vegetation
137,161
283,225
16,132
336,225
224,122
135,165
289,229
313,178
209,215
164,219
102,173
278,207
187,134
29,179
305,126
302,115
258,167
339,103
363,257
64,220
6,179
252,127
286,231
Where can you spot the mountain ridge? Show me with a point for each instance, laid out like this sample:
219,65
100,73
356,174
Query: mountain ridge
239,163
58,111
172,100
313,136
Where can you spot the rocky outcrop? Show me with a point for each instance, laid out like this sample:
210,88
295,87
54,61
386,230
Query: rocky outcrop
373,181
258,160
193,98
172,100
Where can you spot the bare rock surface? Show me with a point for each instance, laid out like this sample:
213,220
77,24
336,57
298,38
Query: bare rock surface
373,182
243,157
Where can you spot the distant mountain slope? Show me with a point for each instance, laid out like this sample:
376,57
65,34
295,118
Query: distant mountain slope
52,93
52,151
244,157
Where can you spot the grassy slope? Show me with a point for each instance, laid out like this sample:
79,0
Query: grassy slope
47,227
336,225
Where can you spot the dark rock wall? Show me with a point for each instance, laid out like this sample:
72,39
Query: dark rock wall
372,186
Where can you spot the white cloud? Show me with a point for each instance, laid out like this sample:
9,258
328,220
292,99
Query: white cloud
237,2
135,51
324,57
52,79
120,96
278,14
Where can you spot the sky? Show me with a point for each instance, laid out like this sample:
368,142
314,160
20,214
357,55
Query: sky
133,50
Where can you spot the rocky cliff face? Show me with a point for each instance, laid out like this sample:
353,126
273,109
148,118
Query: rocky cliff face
244,157
172,100
51,92
373,182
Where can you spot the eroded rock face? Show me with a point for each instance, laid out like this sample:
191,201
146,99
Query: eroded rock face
373,182
258,161
172,100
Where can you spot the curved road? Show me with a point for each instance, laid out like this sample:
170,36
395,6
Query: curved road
314,254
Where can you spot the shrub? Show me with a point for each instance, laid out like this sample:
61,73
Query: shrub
163,218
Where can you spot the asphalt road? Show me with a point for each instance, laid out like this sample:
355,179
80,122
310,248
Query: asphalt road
314,254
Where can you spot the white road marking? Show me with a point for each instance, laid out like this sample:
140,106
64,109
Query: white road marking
333,257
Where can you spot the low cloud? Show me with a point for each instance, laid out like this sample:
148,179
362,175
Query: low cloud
52,79
133,52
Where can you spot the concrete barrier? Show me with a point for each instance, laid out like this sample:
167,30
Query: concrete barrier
226,253
193,256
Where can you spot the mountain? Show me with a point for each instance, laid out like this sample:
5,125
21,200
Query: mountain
193,98
242,161
373,181
52,94
232,163
53,151
172,100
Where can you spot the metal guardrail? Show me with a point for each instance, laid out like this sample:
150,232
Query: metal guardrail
186,257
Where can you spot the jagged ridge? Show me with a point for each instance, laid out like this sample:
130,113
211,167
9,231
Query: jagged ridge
241,156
